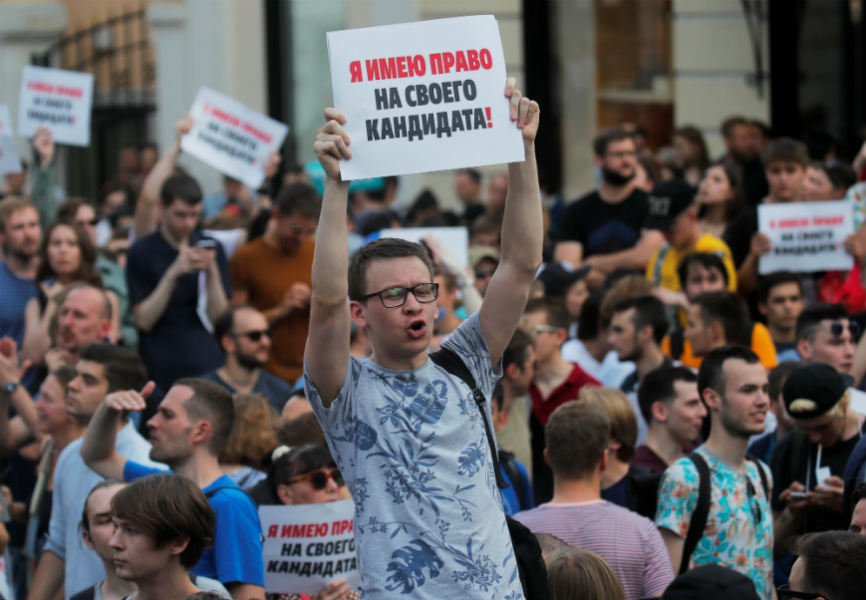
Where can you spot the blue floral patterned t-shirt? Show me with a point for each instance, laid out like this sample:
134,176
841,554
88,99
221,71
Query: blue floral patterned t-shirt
739,530
429,520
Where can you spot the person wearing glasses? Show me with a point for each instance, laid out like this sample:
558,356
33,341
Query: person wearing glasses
555,382
245,338
188,433
738,532
406,434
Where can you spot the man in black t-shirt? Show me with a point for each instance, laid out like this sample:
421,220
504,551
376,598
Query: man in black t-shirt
808,463
604,229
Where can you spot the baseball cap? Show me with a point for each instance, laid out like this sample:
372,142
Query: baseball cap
813,389
558,278
478,253
667,201
711,582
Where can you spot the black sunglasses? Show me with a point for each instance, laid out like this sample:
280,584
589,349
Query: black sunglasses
92,222
483,273
319,478
254,335
837,328
785,591
753,502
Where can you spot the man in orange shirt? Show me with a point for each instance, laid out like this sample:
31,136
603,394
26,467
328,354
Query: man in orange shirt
272,274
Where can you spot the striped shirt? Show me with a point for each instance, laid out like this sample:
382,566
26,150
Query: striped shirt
628,542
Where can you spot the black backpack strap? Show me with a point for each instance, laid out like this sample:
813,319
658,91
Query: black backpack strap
702,510
678,344
451,362
764,482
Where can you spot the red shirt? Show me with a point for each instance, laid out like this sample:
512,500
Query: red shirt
567,390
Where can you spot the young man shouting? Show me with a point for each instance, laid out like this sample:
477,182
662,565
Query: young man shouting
406,434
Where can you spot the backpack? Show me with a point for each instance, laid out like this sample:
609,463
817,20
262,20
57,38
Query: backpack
702,509
527,551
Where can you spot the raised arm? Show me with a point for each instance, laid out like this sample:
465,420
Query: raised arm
98,446
17,431
146,215
522,235
326,354
42,192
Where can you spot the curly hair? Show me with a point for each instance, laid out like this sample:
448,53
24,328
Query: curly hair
254,433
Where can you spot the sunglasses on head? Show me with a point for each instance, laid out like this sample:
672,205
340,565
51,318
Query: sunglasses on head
254,335
483,273
319,478
837,328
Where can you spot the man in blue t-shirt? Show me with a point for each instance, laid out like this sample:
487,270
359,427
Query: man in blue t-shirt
20,236
188,433
178,283
245,338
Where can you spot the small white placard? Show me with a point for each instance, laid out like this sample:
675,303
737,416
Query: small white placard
231,137
309,545
423,97
806,236
57,99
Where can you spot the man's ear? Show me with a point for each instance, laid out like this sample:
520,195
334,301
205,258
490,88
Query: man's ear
645,334
178,545
718,333
511,371
602,464
356,310
201,431
659,412
87,539
762,308
712,399
104,328
804,349
546,458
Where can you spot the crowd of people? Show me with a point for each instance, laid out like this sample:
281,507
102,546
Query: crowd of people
660,418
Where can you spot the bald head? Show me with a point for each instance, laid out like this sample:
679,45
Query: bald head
84,319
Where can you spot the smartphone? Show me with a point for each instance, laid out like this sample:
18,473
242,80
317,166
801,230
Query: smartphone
798,495
206,243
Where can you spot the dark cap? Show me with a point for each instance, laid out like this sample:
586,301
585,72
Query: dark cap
711,582
813,389
667,201
558,278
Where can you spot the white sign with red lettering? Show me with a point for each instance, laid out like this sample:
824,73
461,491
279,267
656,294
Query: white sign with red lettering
806,236
423,97
56,99
231,137
9,161
309,545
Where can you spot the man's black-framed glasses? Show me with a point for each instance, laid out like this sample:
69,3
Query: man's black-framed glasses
395,297
254,335
785,591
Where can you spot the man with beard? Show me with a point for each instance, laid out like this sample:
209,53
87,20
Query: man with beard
20,235
188,433
272,274
742,140
637,328
604,229
738,533
244,336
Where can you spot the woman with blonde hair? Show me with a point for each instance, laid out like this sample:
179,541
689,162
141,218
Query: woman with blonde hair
578,574
253,435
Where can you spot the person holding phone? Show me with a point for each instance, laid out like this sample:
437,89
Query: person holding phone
178,285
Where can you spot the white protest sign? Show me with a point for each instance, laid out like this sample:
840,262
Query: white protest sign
309,545
59,100
9,161
806,236
453,239
231,137
423,97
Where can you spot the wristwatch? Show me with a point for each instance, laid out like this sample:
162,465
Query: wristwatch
10,387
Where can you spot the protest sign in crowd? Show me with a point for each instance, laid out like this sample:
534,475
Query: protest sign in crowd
293,388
